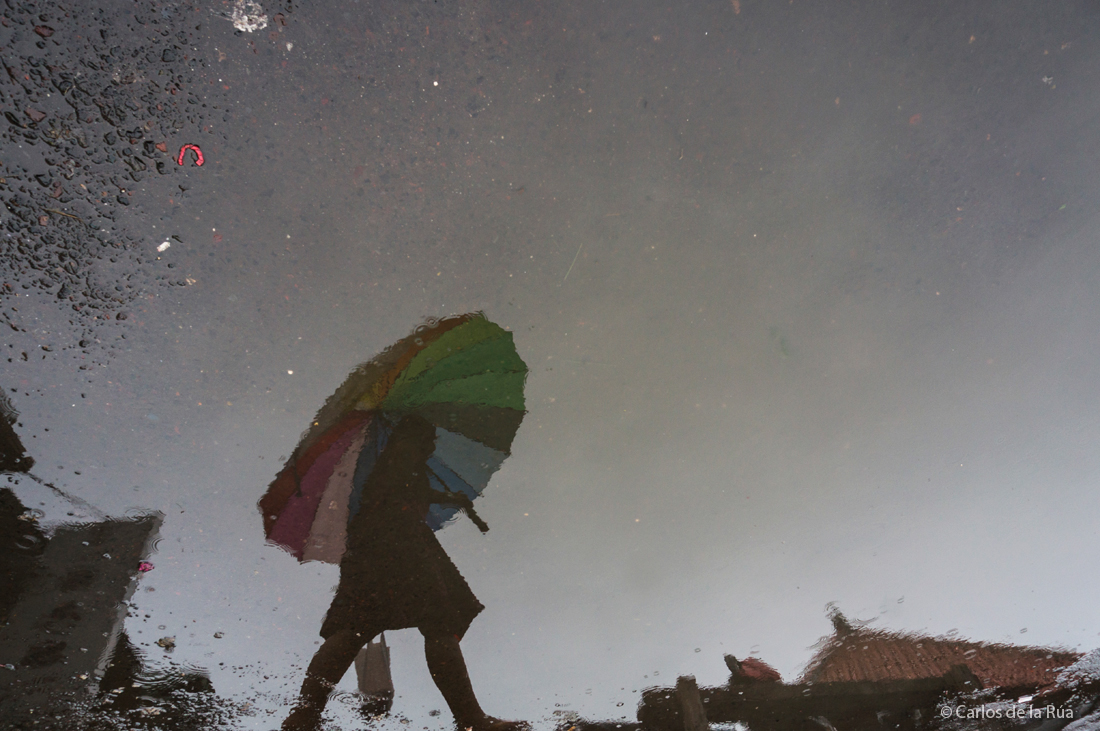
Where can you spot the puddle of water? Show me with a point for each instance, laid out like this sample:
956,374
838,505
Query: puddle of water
804,302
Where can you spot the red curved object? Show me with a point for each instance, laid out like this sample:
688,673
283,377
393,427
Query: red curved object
198,154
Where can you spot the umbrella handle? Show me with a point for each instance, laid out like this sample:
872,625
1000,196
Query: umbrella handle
476,519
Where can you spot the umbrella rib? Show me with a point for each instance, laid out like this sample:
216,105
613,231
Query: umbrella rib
458,476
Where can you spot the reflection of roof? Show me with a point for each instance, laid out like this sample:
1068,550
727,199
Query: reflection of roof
859,653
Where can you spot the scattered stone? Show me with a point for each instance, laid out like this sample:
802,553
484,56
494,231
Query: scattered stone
120,80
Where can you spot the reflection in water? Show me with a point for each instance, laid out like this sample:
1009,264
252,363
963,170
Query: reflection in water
133,695
869,678
13,456
395,575
819,303
64,591
408,440
21,542
65,599
854,653
15,460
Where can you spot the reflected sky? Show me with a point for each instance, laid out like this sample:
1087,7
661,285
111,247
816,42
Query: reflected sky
808,301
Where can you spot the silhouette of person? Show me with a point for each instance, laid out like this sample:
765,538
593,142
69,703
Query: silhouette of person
394,575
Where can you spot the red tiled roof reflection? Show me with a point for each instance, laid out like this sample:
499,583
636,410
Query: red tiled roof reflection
861,654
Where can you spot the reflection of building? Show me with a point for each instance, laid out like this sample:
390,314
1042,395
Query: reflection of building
65,616
65,660
13,458
858,653
21,542
859,678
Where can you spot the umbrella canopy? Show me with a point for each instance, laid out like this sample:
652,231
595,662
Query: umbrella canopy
460,373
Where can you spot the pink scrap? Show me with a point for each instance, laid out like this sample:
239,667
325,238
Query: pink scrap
183,153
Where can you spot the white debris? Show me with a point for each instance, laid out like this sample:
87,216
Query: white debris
248,15
164,246
1085,670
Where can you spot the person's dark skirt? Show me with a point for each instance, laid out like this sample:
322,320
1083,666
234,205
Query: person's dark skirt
396,575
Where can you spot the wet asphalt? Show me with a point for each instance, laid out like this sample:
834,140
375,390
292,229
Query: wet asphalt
807,295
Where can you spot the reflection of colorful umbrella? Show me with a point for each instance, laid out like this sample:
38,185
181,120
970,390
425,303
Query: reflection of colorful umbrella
461,373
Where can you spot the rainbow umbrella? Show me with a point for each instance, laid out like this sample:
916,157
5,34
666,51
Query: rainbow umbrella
460,373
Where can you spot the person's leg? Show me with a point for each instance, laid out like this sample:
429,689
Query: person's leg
448,669
329,664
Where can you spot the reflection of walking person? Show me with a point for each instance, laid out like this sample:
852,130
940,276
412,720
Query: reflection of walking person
395,575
